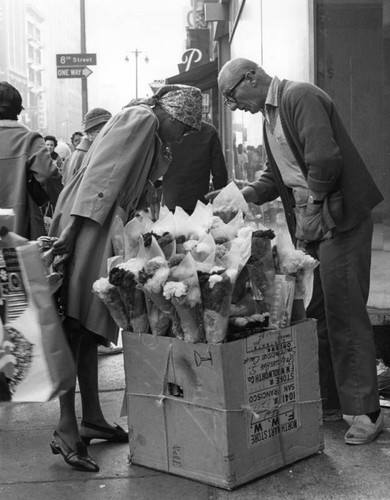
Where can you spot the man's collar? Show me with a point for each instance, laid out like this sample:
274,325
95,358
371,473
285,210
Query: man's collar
272,96
12,124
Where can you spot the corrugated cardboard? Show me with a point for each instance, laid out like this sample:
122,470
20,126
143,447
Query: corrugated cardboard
223,414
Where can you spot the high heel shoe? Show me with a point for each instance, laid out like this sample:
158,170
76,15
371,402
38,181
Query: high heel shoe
77,458
90,431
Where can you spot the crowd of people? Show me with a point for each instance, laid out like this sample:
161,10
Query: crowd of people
118,163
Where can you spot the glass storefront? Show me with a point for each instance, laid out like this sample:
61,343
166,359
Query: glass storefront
343,46
265,32
353,66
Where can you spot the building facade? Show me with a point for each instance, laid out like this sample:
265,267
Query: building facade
32,32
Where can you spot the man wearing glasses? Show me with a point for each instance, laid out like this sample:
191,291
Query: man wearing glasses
327,194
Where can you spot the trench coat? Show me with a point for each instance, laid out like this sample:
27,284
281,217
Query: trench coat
73,163
24,153
112,180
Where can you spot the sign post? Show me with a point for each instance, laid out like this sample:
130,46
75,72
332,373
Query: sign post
75,66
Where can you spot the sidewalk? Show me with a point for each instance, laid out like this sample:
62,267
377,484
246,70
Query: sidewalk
28,470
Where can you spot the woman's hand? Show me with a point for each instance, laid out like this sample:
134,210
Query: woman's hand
63,247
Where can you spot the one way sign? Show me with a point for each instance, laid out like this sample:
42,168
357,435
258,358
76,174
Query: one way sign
73,72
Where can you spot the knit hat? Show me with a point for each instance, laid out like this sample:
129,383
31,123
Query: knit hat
94,117
10,98
63,150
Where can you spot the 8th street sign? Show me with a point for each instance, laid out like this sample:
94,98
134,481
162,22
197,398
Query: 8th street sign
73,72
75,60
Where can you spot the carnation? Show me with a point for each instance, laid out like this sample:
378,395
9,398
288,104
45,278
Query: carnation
298,260
215,278
203,248
175,289
101,285
180,239
189,245
133,265
217,270
241,321
220,251
116,276
175,260
165,239
261,233
154,274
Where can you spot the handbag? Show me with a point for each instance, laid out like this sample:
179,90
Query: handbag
36,191
35,357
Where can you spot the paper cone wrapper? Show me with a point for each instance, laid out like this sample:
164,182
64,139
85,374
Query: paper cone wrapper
139,314
140,324
215,325
158,321
191,322
161,302
113,301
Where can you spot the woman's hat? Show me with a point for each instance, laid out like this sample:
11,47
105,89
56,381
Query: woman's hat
94,117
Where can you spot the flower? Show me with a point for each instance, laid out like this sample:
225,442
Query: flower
110,295
175,289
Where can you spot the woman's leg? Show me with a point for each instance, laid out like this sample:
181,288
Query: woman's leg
93,424
67,426
87,370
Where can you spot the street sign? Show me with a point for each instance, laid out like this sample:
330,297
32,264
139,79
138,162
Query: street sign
67,60
73,72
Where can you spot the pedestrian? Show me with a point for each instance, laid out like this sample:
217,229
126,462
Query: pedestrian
242,163
112,181
51,144
63,151
94,121
75,139
196,161
328,195
28,176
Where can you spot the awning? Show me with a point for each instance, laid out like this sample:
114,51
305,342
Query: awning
203,76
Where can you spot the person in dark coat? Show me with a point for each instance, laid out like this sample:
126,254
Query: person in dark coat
328,195
94,121
28,176
197,162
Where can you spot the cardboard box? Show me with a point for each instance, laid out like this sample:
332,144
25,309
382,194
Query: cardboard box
224,414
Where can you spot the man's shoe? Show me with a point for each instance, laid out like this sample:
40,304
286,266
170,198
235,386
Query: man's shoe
363,431
332,415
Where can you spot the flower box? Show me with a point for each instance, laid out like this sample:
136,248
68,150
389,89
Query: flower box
223,414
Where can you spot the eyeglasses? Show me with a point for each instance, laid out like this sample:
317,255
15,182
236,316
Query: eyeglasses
229,96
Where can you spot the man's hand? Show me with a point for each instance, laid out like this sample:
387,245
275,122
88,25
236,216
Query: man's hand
212,194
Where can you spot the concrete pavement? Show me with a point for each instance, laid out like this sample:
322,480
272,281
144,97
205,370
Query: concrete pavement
29,471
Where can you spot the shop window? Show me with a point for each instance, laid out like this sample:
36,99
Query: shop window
353,66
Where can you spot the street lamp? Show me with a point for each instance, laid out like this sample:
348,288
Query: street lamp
137,52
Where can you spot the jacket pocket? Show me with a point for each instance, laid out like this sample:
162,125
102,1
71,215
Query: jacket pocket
332,210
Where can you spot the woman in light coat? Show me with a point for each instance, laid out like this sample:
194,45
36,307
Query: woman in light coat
118,167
